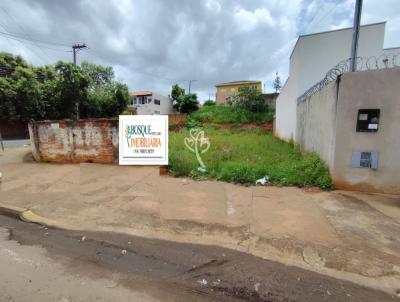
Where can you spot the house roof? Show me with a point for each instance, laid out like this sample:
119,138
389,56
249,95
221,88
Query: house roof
141,93
330,31
237,83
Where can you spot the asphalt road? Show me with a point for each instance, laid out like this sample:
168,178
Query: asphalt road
44,264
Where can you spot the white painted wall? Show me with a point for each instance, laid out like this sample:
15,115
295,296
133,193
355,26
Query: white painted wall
313,56
165,106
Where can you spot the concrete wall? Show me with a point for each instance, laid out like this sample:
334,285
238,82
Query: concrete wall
92,140
270,99
378,89
312,57
326,123
316,123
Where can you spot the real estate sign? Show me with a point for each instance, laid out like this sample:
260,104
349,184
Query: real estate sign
143,139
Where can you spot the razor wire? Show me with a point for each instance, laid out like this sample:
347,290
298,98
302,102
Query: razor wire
363,63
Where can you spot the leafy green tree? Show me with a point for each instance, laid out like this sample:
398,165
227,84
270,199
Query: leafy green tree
187,103
184,103
250,99
176,93
19,90
71,89
57,91
106,97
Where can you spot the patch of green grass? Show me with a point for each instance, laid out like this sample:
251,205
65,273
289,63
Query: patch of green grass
244,156
226,114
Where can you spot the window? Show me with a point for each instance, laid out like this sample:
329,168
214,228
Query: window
156,112
157,102
368,120
148,100
134,101
142,100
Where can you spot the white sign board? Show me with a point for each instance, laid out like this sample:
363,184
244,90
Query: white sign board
143,140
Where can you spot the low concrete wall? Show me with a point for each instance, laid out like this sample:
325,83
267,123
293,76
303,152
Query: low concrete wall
92,140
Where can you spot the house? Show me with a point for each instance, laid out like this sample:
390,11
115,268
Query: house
312,57
149,103
229,89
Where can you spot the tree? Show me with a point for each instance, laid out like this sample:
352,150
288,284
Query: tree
56,91
187,103
176,92
277,83
250,99
71,89
106,97
19,90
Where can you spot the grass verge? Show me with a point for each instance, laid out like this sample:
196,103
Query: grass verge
243,156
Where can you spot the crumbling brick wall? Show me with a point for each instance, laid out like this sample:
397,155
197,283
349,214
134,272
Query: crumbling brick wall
90,140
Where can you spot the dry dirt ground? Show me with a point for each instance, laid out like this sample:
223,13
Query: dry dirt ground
46,264
347,235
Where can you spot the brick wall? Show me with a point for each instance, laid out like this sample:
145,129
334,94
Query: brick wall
91,140
180,118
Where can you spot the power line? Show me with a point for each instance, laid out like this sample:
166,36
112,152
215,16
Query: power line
34,52
18,36
32,43
23,44
322,18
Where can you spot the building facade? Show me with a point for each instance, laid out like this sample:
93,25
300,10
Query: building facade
150,103
227,90
312,57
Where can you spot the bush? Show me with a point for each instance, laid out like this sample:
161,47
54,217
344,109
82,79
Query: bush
209,103
249,98
226,115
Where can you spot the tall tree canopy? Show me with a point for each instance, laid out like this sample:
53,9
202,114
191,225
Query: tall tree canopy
184,103
58,91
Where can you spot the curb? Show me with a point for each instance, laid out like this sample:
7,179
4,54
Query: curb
26,215
11,211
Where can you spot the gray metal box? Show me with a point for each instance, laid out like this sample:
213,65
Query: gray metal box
365,159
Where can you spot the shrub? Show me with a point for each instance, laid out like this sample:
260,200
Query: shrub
209,103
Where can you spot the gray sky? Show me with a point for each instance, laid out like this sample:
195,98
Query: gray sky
152,44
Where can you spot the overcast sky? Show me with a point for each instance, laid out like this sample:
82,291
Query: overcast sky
152,44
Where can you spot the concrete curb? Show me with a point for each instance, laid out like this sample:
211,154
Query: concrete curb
11,211
26,215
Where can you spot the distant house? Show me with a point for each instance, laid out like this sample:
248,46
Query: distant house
312,57
227,90
149,103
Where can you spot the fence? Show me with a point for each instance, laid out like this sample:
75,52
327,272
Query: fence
370,63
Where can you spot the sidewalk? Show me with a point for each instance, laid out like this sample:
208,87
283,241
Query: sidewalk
348,235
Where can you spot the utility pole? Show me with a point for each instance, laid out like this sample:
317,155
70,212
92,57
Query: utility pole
190,84
356,32
76,47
